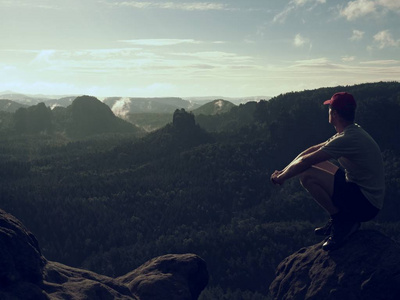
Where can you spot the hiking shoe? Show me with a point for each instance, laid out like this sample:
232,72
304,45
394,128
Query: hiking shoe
340,233
324,230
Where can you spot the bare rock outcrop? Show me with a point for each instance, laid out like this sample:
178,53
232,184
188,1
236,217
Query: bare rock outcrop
367,267
181,276
26,274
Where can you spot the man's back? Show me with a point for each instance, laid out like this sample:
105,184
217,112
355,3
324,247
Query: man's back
360,156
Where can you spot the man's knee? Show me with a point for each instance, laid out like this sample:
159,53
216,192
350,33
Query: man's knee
306,178
314,177
311,176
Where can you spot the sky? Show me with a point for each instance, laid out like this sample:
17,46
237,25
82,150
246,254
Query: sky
230,48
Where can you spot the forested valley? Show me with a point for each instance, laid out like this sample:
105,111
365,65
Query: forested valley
99,193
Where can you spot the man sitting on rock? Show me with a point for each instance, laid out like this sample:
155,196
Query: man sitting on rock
351,196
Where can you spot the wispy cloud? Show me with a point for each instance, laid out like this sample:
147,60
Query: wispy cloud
86,60
389,62
128,61
43,56
281,17
51,55
218,57
300,41
317,63
43,4
189,6
292,6
160,42
348,72
384,39
348,58
390,4
357,35
360,8
302,2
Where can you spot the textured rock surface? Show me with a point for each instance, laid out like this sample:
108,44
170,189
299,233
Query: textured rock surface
366,267
181,276
26,274
21,262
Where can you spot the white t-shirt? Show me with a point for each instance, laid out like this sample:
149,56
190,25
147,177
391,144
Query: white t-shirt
360,156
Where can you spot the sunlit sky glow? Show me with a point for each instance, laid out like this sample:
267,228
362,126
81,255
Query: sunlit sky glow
231,48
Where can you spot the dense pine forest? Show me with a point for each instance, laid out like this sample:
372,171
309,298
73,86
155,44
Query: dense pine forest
102,194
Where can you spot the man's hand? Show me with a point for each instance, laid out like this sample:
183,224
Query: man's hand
276,178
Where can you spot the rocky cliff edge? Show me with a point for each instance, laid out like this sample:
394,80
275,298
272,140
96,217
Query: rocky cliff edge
367,267
26,274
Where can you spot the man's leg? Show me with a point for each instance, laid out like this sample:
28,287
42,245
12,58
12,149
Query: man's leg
327,166
318,181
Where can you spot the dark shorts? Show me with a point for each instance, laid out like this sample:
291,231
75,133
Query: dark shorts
351,201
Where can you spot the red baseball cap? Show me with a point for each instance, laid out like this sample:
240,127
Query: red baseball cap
342,101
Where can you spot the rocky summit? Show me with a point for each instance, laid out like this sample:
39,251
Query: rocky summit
26,274
366,267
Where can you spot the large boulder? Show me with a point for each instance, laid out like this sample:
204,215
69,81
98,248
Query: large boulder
21,262
64,282
180,276
366,267
26,274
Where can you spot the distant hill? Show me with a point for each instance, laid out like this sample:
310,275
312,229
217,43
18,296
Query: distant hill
9,105
204,116
63,102
89,116
152,121
22,99
33,119
234,100
214,108
122,106
233,118
149,121
29,100
86,116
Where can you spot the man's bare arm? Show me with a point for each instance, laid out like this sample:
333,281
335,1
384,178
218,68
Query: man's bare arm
305,152
300,164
